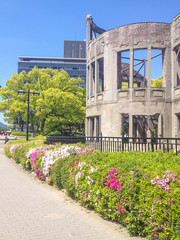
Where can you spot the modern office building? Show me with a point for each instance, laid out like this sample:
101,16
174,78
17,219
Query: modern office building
74,49
73,62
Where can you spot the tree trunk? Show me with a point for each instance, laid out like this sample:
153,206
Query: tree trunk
43,124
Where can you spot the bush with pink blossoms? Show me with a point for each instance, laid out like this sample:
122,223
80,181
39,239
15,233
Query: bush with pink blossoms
139,190
40,159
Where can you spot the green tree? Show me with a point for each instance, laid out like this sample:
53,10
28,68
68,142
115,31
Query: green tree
60,104
157,82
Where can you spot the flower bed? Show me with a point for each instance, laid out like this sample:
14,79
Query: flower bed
139,190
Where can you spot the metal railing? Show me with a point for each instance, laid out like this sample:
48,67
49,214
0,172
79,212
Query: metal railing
117,144
7,139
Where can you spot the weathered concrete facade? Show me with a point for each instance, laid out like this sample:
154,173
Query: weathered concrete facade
138,109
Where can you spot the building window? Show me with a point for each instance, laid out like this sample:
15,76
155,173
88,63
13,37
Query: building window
100,87
92,80
178,125
145,126
157,67
123,68
125,125
94,126
140,61
177,65
139,68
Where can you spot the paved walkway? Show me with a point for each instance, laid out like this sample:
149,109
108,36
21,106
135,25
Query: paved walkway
31,210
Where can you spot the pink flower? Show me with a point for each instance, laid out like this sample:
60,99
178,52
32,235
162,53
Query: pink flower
153,208
167,188
121,201
173,179
154,234
166,180
140,210
153,181
155,199
73,164
122,209
165,224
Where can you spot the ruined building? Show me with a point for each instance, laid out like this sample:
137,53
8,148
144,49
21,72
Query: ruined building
121,100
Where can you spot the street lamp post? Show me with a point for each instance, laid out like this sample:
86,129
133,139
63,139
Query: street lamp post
35,93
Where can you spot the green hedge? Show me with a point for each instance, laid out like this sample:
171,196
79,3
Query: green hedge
139,190
20,134
119,187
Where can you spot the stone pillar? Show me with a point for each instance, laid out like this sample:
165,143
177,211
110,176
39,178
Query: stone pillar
95,129
131,68
97,76
160,126
94,35
130,125
149,74
131,73
148,133
90,127
87,81
86,126
96,73
88,28
119,74
90,80
149,67
120,124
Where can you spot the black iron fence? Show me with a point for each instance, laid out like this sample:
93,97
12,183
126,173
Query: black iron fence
7,139
117,144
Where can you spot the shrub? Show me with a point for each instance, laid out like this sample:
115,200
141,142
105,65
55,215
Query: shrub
120,186
139,190
20,134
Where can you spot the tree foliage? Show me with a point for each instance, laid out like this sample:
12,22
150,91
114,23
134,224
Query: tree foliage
61,103
157,82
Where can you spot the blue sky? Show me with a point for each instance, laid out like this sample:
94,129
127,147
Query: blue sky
39,27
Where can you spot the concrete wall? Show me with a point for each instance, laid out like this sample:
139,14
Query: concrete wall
113,102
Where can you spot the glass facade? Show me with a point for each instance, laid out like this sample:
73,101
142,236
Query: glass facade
75,70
